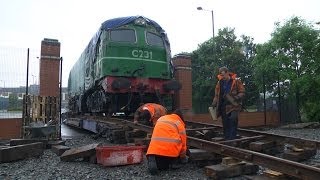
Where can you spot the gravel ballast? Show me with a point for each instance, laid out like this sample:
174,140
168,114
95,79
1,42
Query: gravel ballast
49,166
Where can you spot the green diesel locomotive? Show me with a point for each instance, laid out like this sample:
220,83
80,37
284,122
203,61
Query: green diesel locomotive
126,63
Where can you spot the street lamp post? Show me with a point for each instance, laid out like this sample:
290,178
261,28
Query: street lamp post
32,78
201,9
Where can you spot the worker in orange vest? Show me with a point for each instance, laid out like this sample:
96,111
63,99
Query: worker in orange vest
168,143
229,93
149,113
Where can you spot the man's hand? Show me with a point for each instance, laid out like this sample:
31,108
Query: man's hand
236,97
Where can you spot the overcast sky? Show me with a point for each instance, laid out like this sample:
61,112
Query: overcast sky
24,23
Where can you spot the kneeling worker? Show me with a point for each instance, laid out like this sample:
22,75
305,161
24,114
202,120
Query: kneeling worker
149,113
168,142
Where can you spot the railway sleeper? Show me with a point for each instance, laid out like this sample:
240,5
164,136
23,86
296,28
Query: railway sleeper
268,144
221,171
260,146
299,156
269,174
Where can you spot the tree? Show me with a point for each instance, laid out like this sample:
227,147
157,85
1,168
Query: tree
224,50
246,71
292,56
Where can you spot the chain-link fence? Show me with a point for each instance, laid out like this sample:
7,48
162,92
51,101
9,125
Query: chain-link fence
13,79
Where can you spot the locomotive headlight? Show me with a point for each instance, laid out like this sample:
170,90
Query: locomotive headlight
140,21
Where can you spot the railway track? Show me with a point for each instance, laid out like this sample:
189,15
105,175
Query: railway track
289,155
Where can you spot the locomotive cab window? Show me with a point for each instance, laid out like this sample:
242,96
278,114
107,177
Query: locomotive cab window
123,35
154,40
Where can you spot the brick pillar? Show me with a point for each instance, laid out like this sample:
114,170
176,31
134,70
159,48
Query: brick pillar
183,74
49,67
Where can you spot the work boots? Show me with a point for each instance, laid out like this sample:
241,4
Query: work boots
152,165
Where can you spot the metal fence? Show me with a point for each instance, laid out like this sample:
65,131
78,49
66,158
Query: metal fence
259,101
13,83
13,79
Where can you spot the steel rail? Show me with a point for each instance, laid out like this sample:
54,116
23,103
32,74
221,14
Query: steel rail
288,167
288,139
285,166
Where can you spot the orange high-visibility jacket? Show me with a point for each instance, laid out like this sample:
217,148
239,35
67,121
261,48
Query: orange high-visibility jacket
168,137
237,89
156,111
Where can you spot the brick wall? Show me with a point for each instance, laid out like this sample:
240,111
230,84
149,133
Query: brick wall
246,119
183,74
49,67
10,128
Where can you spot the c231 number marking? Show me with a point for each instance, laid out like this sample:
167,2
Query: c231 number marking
141,54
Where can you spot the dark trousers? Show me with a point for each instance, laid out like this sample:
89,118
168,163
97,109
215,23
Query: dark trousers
162,162
230,125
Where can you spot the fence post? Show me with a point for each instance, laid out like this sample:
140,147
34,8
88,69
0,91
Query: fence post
60,98
264,99
279,96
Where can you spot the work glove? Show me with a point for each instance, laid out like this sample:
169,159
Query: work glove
184,160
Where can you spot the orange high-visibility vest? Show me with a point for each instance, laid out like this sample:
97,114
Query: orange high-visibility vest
168,137
156,111
236,88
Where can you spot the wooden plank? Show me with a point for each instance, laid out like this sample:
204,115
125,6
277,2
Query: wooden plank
14,153
222,171
59,149
34,107
43,108
16,142
80,152
55,143
40,109
228,161
264,160
199,155
259,146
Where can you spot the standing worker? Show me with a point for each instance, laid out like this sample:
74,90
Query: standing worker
168,143
149,113
229,92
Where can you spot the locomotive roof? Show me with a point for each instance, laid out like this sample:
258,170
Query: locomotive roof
117,22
